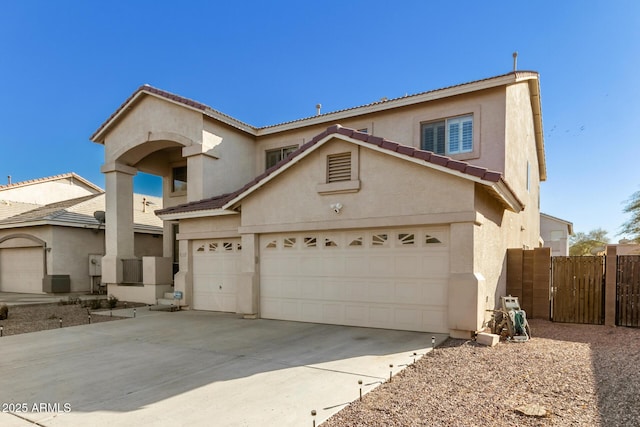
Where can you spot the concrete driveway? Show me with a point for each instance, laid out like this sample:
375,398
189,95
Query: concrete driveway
195,368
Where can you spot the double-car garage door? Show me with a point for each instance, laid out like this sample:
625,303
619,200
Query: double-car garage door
387,278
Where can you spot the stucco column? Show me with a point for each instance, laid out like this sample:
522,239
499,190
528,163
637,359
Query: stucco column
248,292
183,279
119,220
466,287
201,168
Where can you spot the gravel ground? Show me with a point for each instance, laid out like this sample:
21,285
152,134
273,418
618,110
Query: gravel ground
37,317
577,375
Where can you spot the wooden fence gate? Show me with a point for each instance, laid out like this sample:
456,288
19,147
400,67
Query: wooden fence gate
577,289
628,291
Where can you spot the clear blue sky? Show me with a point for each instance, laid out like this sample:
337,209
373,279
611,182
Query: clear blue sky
65,66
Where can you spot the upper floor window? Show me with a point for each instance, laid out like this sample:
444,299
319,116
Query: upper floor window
450,136
179,179
274,156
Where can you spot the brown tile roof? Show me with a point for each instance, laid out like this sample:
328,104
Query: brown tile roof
218,202
215,113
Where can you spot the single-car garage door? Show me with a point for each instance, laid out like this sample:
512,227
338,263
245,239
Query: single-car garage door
216,268
21,270
395,279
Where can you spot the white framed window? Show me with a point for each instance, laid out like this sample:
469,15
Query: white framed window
449,136
274,156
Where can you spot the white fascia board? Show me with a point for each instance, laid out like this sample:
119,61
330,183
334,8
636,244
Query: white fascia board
197,214
507,196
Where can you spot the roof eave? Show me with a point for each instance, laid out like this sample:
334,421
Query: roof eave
536,106
507,197
393,103
196,214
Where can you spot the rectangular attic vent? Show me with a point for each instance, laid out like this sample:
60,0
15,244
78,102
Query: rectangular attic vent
339,167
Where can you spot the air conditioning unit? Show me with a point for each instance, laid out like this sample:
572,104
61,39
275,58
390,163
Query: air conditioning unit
95,265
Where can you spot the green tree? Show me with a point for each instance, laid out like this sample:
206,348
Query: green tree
632,226
583,243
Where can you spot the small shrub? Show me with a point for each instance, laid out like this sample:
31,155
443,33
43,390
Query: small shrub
4,312
95,304
112,301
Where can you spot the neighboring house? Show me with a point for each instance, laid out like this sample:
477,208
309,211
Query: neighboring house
395,214
49,235
555,233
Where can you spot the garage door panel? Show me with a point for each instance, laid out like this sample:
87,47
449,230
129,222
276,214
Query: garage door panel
333,265
379,317
309,266
270,308
310,289
409,319
356,266
333,290
356,315
290,309
435,319
381,292
290,288
407,266
386,279
270,287
333,313
312,312
410,293
381,266
216,267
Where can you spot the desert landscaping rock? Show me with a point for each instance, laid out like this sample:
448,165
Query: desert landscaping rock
38,317
580,375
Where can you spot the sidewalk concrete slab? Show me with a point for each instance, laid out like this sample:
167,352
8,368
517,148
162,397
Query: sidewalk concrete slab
198,369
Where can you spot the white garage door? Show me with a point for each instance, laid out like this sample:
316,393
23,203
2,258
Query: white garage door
21,270
395,279
216,268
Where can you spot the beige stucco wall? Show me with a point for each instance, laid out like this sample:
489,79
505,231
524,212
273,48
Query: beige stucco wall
392,192
520,149
209,228
152,119
402,125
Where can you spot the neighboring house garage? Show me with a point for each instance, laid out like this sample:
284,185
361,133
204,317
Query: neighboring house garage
384,278
21,268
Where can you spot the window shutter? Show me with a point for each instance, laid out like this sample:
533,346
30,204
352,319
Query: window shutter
467,135
433,137
440,139
339,167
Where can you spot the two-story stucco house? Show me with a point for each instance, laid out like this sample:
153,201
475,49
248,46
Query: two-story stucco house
395,214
